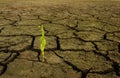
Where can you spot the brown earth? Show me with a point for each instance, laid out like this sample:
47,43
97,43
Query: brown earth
83,38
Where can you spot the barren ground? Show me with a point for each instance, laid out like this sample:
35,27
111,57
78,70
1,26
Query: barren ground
83,38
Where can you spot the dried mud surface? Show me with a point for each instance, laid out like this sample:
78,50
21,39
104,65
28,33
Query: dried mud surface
83,39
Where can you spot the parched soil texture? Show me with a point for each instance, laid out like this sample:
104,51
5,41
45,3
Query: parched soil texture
83,38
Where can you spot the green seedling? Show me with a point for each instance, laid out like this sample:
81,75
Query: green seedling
42,43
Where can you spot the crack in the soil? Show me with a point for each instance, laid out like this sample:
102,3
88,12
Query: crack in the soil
105,36
14,23
76,50
119,47
3,69
20,19
96,47
115,65
1,29
73,28
6,61
8,57
103,55
100,20
58,43
11,58
116,68
103,72
32,42
74,67
38,53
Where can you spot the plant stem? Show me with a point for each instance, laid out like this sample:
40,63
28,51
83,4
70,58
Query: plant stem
42,53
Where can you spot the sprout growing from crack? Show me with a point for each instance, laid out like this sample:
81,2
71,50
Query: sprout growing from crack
42,43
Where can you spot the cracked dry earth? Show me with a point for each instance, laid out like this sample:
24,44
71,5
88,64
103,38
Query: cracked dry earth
83,39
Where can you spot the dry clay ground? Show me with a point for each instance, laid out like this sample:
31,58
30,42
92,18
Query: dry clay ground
83,39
